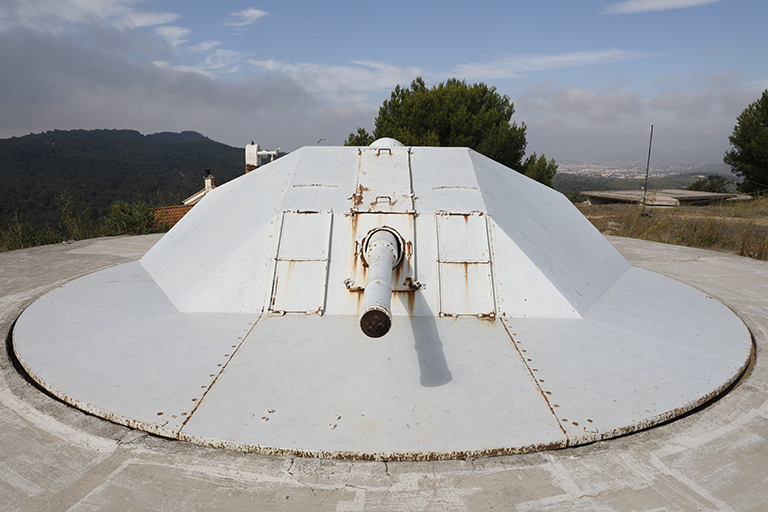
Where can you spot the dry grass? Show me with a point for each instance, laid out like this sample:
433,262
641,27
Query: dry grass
738,227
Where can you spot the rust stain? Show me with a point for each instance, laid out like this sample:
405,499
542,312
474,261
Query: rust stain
153,428
357,197
371,456
291,267
587,437
410,284
411,301
274,291
162,429
355,248
466,279
397,271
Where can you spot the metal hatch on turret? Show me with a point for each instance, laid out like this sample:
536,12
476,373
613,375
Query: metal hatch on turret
301,265
383,179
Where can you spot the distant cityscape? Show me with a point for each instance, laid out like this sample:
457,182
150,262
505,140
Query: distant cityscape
637,171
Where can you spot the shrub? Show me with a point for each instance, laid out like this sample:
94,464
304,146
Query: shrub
130,219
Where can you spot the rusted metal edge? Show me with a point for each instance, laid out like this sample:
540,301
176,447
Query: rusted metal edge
152,428
665,417
369,456
317,185
383,456
594,436
567,441
283,452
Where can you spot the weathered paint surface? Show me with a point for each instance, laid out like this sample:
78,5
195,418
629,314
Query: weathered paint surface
515,325
433,388
225,255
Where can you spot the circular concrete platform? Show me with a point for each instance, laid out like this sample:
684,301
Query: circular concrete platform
112,344
55,457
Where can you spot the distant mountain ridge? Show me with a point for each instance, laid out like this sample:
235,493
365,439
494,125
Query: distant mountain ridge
91,169
85,171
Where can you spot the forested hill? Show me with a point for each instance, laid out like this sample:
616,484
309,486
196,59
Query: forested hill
86,171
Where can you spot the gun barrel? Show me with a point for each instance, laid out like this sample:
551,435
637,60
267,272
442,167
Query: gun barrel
382,254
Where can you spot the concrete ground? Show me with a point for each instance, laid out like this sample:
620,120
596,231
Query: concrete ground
53,457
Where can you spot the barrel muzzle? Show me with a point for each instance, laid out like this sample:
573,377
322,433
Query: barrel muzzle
382,253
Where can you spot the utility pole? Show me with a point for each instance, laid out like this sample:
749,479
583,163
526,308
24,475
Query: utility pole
645,213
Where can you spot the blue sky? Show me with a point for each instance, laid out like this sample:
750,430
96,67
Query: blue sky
588,78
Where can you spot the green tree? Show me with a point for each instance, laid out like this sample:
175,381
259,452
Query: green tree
539,169
749,156
712,183
452,114
361,138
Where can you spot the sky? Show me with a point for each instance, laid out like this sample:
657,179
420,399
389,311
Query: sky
587,78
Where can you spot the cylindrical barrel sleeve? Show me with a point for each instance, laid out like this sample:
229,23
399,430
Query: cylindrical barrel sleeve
382,253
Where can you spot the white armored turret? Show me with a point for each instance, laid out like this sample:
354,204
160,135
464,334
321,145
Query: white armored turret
382,302
483,239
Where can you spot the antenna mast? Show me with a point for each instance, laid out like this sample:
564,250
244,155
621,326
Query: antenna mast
647,168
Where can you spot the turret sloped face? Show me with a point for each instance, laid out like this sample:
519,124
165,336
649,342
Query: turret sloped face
478,239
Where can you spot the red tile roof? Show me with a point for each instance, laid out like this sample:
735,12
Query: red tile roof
171,214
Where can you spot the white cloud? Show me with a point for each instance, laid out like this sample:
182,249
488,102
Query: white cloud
637,6
60,83
213,64
726,76
144,19
670,78
181,68
221,59
343,84
59,16
174,35
599,107
205,46
692,121
758,86
692,105
247,17
513,65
